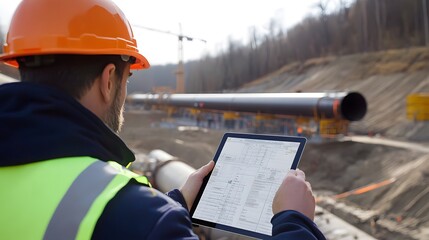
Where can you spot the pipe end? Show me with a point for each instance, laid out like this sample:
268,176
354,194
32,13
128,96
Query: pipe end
353,106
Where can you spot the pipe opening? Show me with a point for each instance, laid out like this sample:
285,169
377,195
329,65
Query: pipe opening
353,106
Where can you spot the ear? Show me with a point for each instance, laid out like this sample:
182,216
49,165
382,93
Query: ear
107,83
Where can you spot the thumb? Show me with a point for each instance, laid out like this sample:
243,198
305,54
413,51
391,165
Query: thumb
204,170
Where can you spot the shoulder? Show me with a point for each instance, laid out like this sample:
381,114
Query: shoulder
140,212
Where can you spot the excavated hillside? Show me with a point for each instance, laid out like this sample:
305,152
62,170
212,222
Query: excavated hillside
384,78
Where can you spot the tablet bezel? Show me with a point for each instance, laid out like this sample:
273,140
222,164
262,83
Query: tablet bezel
300,140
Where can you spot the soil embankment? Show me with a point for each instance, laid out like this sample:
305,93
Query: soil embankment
384,78
402,207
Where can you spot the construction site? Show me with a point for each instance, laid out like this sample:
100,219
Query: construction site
368,165
373,173
365,115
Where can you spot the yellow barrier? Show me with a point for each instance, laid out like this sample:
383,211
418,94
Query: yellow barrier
262,117
418,107
230,115
194,112
333,127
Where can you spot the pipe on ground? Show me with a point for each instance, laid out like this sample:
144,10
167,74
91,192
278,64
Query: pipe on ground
171,174
168,172
6,79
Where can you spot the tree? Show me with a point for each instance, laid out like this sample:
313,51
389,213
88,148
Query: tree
425,21
357,26
364,24
322,5
378,23
1,40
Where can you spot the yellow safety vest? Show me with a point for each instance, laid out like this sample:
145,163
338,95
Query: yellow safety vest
58,198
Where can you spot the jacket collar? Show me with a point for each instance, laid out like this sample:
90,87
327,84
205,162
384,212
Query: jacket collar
39,122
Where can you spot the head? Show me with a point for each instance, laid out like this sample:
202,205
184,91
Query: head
78,51
98,82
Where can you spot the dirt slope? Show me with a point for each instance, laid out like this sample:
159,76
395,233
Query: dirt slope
384,78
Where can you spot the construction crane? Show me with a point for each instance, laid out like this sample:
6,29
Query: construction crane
180,72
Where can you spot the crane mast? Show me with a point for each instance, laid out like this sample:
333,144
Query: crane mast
180,71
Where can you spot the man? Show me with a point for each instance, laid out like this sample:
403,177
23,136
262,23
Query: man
62,172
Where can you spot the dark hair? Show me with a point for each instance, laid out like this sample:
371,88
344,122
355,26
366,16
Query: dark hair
73,74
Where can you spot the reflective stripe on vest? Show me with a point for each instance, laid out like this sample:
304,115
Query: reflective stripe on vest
58,199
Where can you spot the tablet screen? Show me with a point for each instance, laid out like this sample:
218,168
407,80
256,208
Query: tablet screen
242,185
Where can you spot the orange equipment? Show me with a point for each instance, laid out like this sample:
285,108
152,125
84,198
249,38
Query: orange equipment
84,27
366,188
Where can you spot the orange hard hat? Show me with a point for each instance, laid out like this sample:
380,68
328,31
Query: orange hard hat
82,27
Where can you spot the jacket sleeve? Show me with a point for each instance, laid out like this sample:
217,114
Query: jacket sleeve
177,196
294,225
174,223
139,212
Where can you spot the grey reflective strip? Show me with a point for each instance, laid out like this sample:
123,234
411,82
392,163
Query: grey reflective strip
78,199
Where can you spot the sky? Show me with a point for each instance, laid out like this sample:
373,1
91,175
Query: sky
214,21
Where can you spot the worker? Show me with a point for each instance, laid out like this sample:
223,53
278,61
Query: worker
62,166
299,131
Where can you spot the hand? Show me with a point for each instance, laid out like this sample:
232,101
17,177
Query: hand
192,185
295,194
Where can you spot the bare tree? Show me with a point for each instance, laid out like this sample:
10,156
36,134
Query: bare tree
425,21
343,9
1,40
253,64
358,26
322,5
364,24
378,23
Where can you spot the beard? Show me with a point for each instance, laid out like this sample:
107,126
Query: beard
115,115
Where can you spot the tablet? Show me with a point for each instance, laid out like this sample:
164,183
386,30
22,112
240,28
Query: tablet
237,195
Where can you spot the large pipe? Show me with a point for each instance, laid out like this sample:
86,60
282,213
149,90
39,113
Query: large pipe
340,105
6,79
163,179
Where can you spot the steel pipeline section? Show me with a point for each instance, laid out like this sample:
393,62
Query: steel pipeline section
350,106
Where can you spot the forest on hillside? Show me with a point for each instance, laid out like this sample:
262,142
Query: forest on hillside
357,27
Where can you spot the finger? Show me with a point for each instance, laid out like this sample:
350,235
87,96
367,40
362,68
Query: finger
292,172
309,186
300,173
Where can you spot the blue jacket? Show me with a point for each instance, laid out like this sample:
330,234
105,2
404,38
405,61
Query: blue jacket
38,122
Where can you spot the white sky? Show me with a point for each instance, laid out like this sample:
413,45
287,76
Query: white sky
214,21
